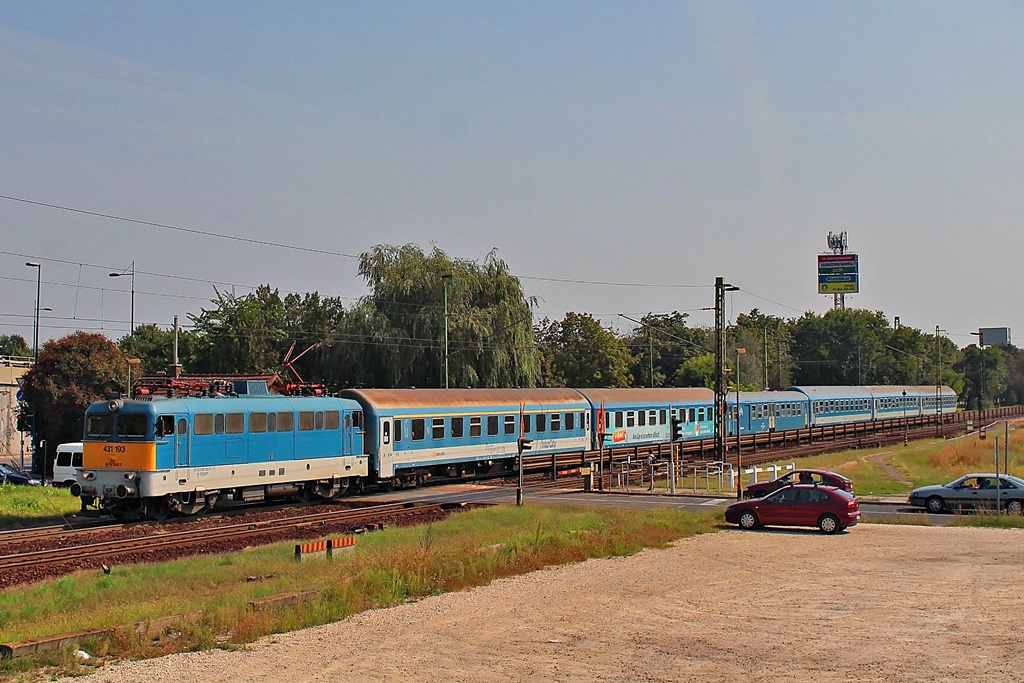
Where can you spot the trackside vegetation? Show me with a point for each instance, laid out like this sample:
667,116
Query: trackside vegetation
385,568
22,506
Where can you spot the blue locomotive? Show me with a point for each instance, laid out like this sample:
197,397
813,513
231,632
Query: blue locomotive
151,457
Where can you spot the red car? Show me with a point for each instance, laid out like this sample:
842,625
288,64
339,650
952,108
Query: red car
821,477
828,508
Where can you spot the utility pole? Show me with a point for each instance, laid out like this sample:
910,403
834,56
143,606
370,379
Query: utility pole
938,378
444,287
721,287
766,359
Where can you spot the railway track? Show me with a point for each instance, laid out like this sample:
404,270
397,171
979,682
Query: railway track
156,543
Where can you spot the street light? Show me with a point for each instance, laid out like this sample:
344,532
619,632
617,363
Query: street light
444,288
739,451
129,270
35,358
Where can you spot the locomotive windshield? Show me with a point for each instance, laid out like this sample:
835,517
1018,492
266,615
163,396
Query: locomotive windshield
98,426
128,426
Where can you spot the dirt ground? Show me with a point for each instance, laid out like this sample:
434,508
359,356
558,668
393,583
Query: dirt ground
895,603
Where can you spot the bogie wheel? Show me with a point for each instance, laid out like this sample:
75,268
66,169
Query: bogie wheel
748,520
1015,507
829,524
935,504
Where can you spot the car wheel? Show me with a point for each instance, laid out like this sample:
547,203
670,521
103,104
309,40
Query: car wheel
1015,507
829,524
748,520
935,504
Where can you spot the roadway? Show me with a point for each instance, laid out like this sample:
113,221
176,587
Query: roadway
887,509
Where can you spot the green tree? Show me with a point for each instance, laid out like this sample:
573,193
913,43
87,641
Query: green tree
400,326
154,347
14,345
72,372
767,340
698,371
241,334
584,354
672,344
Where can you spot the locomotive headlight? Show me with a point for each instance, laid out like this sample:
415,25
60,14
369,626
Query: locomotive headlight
113,405
130,475
88,475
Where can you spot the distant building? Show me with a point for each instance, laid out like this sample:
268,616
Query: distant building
13,444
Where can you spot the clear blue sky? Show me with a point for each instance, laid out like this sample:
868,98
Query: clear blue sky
653,143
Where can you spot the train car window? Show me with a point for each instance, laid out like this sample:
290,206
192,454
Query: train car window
398,430
203,424
630,419
475,426
556,422
641,418
348,421
700,414
693,415
618,419
458,424
357,419
663,417
492,425
570,422
99,425
235,423
132,426
332,419
542,422
319,419
271,422
527,423
164,425
305,420
182,426
587,418
218,423
510,424
385,432
285,422
437,428
257,423
419,431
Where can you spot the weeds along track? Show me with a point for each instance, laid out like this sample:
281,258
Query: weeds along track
56,556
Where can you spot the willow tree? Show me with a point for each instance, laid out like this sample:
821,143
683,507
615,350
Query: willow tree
400,326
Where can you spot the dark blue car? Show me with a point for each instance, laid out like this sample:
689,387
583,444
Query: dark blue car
9,475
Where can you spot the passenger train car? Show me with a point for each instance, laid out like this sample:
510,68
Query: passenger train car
148,458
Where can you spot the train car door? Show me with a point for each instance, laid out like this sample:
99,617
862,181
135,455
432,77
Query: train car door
181,443
385,449
772,412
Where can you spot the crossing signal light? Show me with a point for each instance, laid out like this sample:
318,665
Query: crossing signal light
23,424
525,444
677,428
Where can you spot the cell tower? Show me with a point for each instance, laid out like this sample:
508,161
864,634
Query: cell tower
838,244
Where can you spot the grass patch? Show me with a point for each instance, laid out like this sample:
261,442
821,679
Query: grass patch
22,506
386,568
896,469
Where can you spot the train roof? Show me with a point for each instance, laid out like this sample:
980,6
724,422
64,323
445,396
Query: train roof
226,403
664,396
435,398
832,392
768,396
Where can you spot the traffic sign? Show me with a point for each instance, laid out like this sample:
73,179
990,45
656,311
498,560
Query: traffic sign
20,395
837,278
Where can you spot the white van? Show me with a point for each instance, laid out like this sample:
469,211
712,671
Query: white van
69,458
